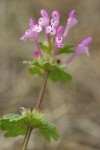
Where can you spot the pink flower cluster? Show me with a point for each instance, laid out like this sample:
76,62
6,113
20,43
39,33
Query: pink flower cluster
53,28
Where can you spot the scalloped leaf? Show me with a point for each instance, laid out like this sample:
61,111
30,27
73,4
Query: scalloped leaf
34,70
56,71
15,124
60,75
66,49
44,65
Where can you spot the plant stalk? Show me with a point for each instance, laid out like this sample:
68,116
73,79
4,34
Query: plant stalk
37,106
41,92
26,139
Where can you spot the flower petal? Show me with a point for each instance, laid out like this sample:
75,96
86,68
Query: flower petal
43,21
55,15
44,13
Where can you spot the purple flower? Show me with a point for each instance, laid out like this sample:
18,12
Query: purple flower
58,40
83,46
24,38
59,37
51,30
80,49
37,28
71,22
29,34
42,22
32,23
55,19
37,54
54,23
44,13
56,15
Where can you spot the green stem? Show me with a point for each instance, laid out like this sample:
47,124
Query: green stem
26,139
37,106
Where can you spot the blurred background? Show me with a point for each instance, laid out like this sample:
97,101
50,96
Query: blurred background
73,107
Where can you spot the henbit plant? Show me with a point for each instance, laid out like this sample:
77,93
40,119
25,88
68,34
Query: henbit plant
46,63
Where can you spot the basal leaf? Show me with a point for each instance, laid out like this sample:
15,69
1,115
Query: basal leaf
15,124
66,49
12,117
47,129
45,134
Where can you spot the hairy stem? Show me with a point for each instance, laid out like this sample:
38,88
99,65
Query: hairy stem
37,106
41,92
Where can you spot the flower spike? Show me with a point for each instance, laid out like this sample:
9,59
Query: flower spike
55,34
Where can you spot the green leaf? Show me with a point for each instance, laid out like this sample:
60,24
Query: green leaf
66,49
49,133
34,70
45,65
37,66
12,117
60,75
15,124
57,72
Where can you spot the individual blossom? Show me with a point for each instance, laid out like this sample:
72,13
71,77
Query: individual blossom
54,23
83,46
29,34
71,22
50,30
55,19
59,37
42,22
58,40
24,38
81,49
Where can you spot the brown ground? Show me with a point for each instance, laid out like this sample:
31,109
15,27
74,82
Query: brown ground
73,107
